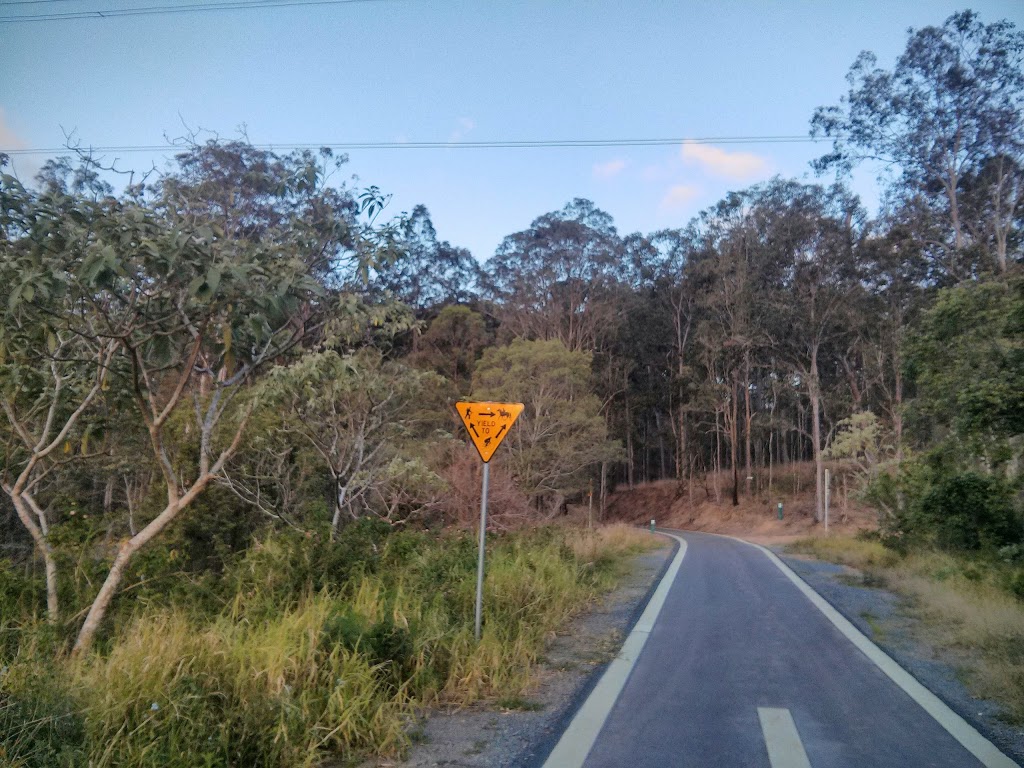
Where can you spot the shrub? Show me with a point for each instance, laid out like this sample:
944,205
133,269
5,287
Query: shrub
968,511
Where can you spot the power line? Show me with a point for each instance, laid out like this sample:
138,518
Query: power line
494,144
5,3
151,10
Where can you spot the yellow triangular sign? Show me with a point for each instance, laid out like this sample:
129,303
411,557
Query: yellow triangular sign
488,424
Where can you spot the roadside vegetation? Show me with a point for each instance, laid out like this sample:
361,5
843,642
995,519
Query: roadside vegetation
970,604
299,650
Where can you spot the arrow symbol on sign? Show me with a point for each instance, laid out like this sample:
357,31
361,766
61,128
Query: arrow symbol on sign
473,427
488,412
503,428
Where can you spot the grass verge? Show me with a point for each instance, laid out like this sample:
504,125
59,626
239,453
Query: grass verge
320,650
967,604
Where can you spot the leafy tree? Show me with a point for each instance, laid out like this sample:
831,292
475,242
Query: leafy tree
561,433
51,372
184,299
949,116
967,360
353,411
548,281
426,273
452,344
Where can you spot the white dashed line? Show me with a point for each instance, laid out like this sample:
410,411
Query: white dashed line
785,750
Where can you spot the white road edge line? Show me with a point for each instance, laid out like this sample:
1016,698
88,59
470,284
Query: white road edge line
785,750
983,749
578,739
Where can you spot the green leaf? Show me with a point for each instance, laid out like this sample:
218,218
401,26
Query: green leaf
213,279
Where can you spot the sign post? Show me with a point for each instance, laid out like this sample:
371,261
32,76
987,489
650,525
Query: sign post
828,496
487,424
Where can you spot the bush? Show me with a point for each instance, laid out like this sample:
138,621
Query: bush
931,502
968,511
323,650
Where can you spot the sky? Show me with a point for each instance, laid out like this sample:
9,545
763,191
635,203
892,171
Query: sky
454,71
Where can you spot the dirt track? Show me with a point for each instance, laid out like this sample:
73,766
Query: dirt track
756,518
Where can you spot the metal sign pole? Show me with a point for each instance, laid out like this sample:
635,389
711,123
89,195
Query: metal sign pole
480,560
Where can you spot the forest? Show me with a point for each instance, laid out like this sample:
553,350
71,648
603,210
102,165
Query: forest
229,385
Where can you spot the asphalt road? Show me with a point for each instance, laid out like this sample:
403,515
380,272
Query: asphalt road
740,669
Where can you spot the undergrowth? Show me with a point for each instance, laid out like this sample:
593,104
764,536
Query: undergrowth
301,649
971,603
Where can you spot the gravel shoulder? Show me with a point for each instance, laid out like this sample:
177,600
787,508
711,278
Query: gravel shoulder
492,736
888,620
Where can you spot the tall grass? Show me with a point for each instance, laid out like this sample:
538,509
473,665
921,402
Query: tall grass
968,604
316,653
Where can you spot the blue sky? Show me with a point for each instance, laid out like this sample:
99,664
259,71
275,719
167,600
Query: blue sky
468,70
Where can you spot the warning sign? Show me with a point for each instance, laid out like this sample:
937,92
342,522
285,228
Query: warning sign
488,424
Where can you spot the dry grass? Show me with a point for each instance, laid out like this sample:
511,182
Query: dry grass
962,606
612,540
277,681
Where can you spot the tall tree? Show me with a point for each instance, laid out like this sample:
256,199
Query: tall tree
950,117
547,282
426,273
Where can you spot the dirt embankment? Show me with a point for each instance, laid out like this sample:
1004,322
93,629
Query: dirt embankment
701,508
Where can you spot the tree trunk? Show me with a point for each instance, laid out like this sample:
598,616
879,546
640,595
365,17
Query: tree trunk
604,488
897,416
339,505
718,461
734,448
819,463
747,417
40,535
99,606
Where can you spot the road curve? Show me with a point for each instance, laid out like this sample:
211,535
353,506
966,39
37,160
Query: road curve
741,669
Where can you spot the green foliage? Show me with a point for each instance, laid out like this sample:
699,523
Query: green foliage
858,437
970,511
968,362
322,649
929,504
561,433
452,344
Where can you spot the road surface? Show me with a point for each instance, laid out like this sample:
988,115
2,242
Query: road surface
741,668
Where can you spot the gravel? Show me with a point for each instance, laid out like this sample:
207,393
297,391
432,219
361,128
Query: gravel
887,619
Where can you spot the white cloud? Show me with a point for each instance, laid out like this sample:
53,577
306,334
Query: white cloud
718,162
464,126
609,170
678,198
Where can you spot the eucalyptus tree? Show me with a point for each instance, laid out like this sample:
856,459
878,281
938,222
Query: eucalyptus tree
814,234
352,410
677,248
54,362
426,273
549,281
949,116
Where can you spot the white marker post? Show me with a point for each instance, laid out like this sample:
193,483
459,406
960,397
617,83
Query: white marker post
828,495
487,424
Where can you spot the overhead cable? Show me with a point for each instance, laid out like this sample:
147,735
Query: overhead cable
491,144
